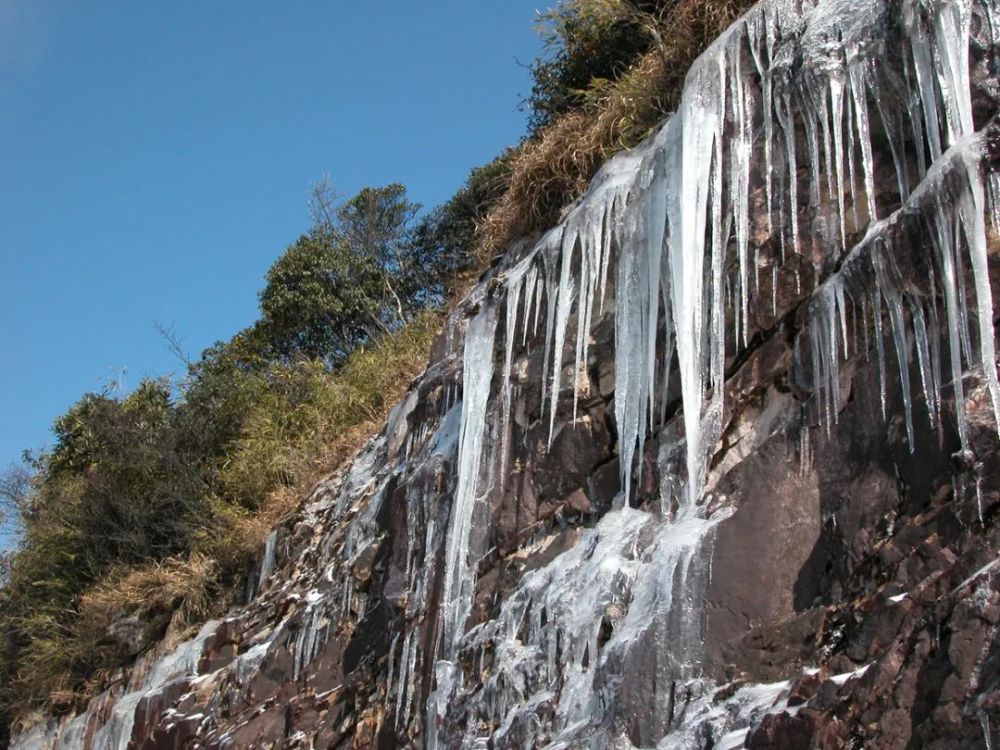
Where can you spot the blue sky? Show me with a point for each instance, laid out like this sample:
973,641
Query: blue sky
155,159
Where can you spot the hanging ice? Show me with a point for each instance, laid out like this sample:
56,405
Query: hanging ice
851,94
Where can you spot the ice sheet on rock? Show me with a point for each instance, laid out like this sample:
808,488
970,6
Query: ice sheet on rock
183,661
268,560
949,207
726,723
564,636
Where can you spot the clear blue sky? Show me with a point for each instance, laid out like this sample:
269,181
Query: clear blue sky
155,159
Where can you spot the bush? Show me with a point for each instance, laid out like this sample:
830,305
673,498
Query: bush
447,235
305,407
587,42
555,166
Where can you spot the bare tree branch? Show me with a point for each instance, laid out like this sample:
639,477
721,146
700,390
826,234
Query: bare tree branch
173,341
16,485
323,200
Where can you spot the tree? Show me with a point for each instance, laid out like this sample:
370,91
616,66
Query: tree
321,300
375,224
220,389
353,277
16,485
116,474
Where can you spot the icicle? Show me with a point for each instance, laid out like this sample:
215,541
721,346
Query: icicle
388,682
656,226
630,362
859,92
812,137
515,284
760,49
589,267
563,306
837,115
895,306
788,125
852,181
774,291
984,722
880,347
459,579
404,676
972,209
739,183
687,251
530,292
606,248
549,248
922,344
923,67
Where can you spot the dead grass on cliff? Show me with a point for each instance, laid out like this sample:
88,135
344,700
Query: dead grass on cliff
552,170
346,409
185,587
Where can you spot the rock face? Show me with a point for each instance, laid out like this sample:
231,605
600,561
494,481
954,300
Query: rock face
712,464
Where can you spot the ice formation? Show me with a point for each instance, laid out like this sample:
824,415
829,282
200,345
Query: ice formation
675,231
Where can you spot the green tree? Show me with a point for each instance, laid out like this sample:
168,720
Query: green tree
321,299
375,225
352,278
219,390
136,490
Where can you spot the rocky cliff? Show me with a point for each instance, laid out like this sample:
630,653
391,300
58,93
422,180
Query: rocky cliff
711,464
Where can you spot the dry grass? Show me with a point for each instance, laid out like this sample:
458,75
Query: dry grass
346,409
184,587
554,169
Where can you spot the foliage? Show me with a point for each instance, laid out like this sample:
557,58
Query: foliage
320,300
216,393
133,507
305,407
447,235
586,41
355,276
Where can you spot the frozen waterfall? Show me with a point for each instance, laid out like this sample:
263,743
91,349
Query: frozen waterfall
671,239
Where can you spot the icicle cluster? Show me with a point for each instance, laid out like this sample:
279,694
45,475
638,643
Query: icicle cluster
796,85
945,214
676,232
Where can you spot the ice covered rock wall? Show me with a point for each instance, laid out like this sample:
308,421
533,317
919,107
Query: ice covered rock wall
709,464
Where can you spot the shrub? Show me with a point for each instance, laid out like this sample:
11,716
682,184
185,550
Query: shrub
586,41
447,235
305,407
